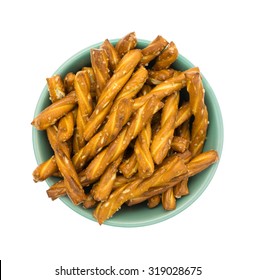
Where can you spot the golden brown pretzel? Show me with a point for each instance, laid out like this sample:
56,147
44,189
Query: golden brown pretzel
165,88
122,74
168,199
153,49
199,110
117,119
50,115
162,140
172,168
62,155
157,77
56,88
69,82
112,54
45,169
167,57
143,155
97,166
99,61
102,189
125,44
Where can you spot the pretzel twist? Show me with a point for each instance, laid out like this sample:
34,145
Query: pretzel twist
196,165
199,110
117,119
101,190
97,166
112,54
99,61
125,44
122,74
153,50
165,88
56,88
55,111
71,181
143,155
172,168
162,140
167,57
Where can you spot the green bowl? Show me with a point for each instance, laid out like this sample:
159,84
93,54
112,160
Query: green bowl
138,215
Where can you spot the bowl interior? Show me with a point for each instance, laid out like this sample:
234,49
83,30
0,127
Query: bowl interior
138,215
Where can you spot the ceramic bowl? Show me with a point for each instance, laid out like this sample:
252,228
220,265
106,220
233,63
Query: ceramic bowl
138,215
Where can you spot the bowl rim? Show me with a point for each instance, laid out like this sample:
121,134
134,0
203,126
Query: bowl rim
168,214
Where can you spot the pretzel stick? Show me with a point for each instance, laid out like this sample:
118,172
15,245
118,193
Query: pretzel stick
167,57
55,111
153,50
69,82
200,124
157,77
181,188
85,107
154,201
91,75
122,74
71,181
125,44
142,152
101,190
173,167
168,199
183,115
45,170
129,166
56,88
162,140
56,91
166,88
66,127
57,190
97,166
179,144
112,54
117,119
195,166
99,61
134,85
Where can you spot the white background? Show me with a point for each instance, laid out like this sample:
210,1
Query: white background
218,231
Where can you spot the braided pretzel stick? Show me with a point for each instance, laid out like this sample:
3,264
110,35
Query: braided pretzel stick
85,106
162,140
99,61
55,111
153,50
112,54
166,88
111,153
102,189
130,166
195,166
172,168
181,188
97,166
118,117
56,92
62,155
122,74
199,110
125,44
167,57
